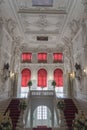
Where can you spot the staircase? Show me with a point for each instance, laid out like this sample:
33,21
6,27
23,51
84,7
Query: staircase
3,105
14,111
69,112
42,128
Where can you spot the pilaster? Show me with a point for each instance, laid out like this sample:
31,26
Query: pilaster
1,35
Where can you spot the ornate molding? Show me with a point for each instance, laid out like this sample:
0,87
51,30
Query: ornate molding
42,11
10,26
41,48
1,1
74,26
42,21
17,40
1,21
67,41
85,5
84,24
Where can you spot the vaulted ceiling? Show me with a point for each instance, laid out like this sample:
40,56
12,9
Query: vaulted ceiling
51,21
42,20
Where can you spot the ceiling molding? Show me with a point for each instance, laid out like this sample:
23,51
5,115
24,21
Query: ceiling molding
42,32
35,11
68,17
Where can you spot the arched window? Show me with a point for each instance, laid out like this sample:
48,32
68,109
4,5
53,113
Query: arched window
58,77
26,75
42,78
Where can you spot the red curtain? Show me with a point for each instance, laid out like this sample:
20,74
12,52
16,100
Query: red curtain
42,78
58,77
26,75
26,56
58,56
42,56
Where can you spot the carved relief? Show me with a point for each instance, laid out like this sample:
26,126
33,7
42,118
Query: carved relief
11,26
1,21
42,21
85,5
74,26
18,40
1,27
1,1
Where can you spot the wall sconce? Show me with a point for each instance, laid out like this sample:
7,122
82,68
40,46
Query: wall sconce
77,66
72,75
5,72
84,72
12,74
78,72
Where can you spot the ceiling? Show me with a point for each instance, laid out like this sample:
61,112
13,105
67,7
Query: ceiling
42,20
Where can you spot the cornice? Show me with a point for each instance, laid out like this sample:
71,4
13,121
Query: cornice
42,31
42,11
41,49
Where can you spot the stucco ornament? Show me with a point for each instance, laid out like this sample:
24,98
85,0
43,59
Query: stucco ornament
1,1
11,26
85,5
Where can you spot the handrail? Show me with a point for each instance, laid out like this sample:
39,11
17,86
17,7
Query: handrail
42,92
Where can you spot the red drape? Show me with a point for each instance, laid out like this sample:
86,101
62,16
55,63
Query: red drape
26,56
58,56
42,78
26,75
58,77
42,56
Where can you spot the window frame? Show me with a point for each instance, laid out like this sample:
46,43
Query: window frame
26,60
57,60
44,60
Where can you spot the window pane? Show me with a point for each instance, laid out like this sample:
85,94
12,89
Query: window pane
26,75
42,113
58,57
42,78
42,56
58,77
26,56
